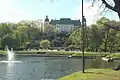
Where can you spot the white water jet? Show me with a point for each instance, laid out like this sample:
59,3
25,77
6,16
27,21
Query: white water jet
10,56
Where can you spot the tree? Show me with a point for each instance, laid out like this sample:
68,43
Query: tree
112,42
5,29
118,40
76,38
8,40
34,33
49,29
45,44
109,36
113,38
56,43
22,32
104,32
95,38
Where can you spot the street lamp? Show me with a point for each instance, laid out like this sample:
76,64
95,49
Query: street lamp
84,21
83,37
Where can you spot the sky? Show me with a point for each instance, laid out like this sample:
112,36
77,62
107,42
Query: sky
17,10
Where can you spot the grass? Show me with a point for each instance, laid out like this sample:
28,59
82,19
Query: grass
44,52
2,52
61,53
91,54
94,74
98,54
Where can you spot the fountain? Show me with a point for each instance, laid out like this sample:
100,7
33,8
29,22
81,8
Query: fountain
10,56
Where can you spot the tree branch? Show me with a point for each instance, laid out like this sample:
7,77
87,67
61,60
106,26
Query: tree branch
109,6
112,27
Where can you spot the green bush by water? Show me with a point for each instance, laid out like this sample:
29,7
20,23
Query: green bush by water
113,55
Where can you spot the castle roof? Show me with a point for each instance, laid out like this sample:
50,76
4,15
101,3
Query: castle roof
66,21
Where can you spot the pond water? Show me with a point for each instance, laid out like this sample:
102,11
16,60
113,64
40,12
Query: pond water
40,68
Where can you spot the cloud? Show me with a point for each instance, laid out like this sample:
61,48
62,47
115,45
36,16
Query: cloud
10,12
92,13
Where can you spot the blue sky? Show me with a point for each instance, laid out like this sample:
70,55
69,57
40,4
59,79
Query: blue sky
17,10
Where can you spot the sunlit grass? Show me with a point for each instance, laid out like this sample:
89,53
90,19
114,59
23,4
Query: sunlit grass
62,52
3,52
94,74
45,52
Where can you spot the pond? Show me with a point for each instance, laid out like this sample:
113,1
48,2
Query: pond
40,68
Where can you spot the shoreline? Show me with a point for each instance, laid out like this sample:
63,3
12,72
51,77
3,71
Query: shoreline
50,55
69,54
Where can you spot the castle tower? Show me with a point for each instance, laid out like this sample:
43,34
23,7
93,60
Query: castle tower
46,22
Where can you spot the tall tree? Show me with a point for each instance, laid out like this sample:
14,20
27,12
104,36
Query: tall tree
76,38
104,31
49,29
23,33
5,29
95,38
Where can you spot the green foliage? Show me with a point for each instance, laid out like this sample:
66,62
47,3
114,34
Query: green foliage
45,44
34,33
56,43
102,22
72,47
95,39
7,40
76,38
5,29
98,37
49,29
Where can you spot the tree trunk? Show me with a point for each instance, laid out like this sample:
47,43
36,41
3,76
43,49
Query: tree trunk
105,47
106,41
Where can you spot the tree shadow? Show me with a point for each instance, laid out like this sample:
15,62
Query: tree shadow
94,72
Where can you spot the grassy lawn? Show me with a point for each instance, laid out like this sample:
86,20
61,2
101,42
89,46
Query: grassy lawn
3,52
94,74
62,52
44,52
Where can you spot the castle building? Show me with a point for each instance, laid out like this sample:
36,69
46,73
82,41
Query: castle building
64,24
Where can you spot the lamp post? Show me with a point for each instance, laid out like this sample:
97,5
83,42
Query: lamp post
83,37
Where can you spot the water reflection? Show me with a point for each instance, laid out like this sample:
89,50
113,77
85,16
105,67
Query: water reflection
10,72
